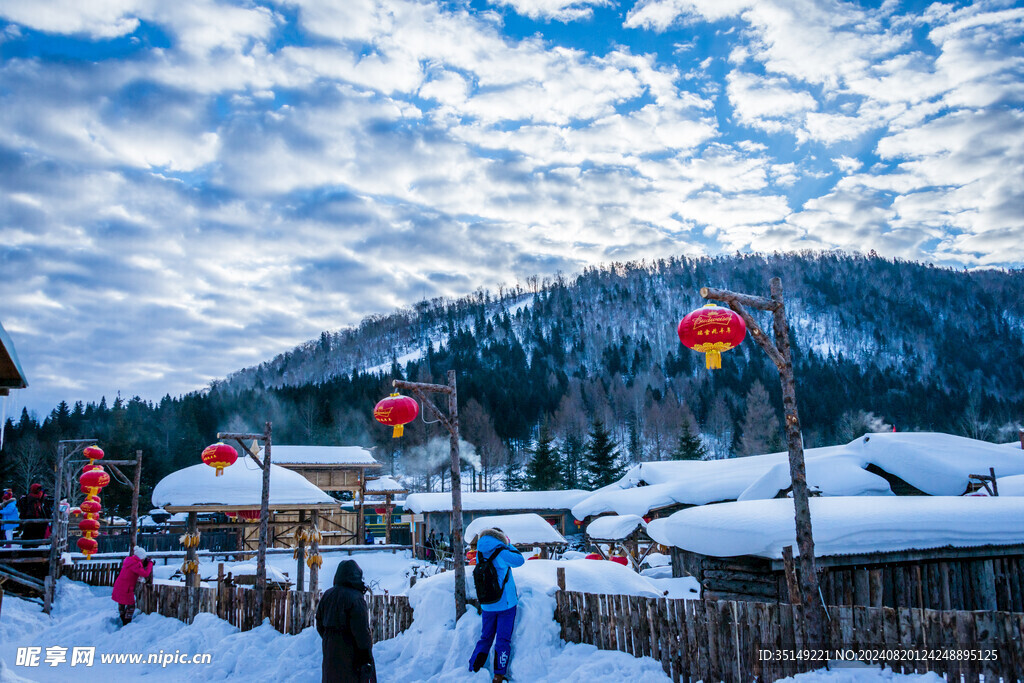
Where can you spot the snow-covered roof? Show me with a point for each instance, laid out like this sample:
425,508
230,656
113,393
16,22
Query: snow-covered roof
521,529
1011,486
241,484
496,500
384,485
844,525
615,527
938,464
322,455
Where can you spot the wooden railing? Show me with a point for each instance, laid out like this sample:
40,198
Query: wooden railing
740,641
93,573
289,611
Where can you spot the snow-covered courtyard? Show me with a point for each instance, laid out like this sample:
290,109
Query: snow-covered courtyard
433,649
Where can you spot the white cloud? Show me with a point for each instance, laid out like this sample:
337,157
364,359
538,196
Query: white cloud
559,10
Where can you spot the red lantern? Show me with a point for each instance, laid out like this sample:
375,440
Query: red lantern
88,546
578,522
619,559
381,511
94,480
711,330
594,556
91,506
89,526
396,411
93,453
471,557
248,515
219,455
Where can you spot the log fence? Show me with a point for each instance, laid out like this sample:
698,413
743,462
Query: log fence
289,611
718,640
93,573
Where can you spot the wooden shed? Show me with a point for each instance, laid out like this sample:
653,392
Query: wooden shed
337,470
960,553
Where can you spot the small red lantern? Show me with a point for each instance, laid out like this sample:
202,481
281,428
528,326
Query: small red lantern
91,506
471,557
93,453
381,511
248,515
594,556
88,546
89,526
219,455
93,480
578,522
619,559
396,411
711,330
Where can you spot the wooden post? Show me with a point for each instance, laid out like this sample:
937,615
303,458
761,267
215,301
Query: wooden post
1,599
54,571
133,530
314,549
261,554
300,568
191,577
458,550
387,520
451,423
792,584
781,355
361,525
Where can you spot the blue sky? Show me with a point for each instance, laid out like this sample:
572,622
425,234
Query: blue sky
191,187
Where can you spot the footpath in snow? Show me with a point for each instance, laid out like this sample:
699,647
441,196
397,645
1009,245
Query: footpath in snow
433,649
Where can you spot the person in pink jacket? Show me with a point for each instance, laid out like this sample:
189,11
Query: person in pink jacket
136,566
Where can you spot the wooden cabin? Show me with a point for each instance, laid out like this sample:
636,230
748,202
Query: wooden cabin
960,553
336,470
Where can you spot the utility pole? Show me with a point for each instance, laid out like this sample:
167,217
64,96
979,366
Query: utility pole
451,423
780,354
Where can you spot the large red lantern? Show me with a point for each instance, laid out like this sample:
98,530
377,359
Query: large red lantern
88,546
93,453
91,506
89,526
396,411
93,480
711,330
219,455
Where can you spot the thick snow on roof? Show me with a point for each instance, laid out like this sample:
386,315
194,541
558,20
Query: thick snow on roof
844,525
1011,486
938,464
521,529
321,455
241,484
384,485
495,500
615,527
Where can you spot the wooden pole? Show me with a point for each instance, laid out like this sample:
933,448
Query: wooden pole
387,518
361,526
261,554
300,568
54,568
792,584
191,577
314,549
781,355
458,550
133,531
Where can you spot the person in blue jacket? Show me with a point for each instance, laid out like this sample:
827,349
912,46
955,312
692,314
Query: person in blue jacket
9,517
499,617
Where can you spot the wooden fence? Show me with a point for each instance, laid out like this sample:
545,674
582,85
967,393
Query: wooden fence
289,611
740,641
93,573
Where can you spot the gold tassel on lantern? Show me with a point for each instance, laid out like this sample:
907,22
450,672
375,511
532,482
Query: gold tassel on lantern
712,353
398,431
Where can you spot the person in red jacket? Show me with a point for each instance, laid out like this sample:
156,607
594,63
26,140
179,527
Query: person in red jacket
136,566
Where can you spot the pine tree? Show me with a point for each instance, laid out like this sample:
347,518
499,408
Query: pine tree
572,461
761,430
513,473
690,447
542,473
601,457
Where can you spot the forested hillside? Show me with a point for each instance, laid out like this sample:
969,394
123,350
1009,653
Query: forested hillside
878,343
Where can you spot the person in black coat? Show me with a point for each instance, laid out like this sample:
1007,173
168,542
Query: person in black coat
343,624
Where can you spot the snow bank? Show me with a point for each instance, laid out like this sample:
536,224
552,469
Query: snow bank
1011,486
321,455
241,484
495,500
521,529
937,464
844,526
615,527
384,484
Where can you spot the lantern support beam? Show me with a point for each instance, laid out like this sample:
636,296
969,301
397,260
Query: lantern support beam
781,354
451,423
261,554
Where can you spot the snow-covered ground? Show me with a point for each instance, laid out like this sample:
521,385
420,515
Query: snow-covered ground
435,648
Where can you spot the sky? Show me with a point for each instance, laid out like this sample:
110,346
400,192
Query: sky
189,188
